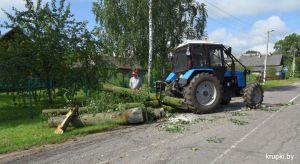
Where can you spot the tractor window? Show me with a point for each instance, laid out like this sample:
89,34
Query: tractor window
215,57
180,60
199,57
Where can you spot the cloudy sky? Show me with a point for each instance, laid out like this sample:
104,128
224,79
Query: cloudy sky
240,23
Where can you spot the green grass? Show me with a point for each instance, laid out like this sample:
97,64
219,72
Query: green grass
18,131
215,139
277,83
238,122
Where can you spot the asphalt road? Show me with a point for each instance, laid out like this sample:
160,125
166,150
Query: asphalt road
233,135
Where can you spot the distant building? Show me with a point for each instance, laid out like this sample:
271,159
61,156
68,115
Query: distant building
255,62
11,34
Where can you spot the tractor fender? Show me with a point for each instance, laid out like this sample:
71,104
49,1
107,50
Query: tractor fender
171,77
190,73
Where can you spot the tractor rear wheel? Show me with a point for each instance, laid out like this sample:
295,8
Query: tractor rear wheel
203,93
253,96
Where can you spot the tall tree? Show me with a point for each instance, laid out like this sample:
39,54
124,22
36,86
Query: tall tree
15,59
150,43
172,20
124,27
51,28
289,46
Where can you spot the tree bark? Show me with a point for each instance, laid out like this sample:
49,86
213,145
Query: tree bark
56,112
94,119
67,119
131,116
166,100
150,44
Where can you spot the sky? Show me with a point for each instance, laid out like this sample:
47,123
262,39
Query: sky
242,24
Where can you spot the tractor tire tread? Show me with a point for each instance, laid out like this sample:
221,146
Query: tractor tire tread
190,97
249,95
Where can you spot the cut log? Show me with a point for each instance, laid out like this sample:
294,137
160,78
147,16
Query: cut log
166,100
68,118
134,116
131,116
56,112
46,113
54,121
153,103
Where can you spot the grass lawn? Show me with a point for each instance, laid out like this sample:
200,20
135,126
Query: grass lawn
277,83
18,131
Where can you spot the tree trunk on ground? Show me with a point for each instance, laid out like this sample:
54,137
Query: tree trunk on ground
67,119
56,112
131,116
166,100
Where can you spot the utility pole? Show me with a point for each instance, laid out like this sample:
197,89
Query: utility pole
150,44
266,57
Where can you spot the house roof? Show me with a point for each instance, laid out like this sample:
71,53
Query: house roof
11,33
261,69
258,61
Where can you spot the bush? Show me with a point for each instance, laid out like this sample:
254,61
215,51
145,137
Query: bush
108,102
271,73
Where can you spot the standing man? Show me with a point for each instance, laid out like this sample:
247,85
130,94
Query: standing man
135,81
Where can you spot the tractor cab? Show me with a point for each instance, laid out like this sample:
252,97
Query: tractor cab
201,75
199,55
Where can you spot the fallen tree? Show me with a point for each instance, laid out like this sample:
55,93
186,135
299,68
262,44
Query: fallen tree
56,112
165,100
131,116
137,113
61,128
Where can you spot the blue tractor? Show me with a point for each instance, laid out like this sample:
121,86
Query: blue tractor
205,75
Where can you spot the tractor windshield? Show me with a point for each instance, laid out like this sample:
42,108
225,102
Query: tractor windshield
199,56
180,60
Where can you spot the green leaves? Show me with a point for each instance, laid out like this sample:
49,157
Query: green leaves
123,27
287,47
53,46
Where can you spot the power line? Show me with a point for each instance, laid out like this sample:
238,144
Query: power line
226,23
227,13
238,20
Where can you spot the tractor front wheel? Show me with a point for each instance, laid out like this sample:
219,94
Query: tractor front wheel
203,93
253,96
